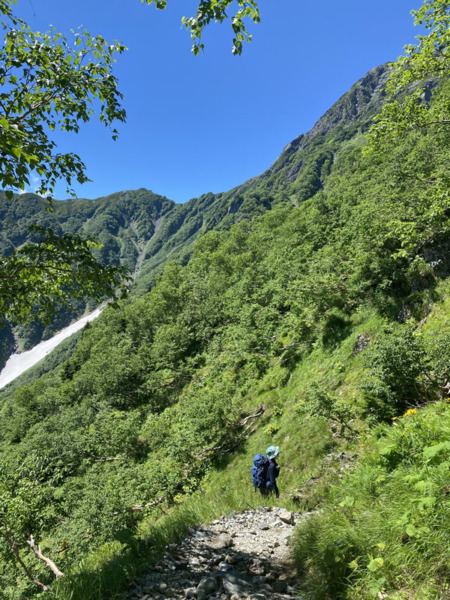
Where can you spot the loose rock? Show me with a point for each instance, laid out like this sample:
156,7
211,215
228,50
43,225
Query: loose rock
286,517
243,556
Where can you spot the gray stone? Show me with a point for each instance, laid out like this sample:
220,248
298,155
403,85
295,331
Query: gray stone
264,526
286,517
207,585
190,592
362,341
277,523
291,589
234,584
221,541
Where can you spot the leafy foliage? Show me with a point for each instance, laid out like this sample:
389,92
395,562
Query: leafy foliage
52,272
409,109
49,83
158,395
384,527
216,10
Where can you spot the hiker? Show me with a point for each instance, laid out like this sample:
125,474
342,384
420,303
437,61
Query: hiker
273,471
265,472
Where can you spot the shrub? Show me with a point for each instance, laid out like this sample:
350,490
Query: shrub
396,364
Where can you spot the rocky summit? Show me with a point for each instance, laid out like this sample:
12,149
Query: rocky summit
244,555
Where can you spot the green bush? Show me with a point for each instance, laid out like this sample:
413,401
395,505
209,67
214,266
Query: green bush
396,364
385,528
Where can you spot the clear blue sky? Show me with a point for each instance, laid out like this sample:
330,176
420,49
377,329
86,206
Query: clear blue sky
209,123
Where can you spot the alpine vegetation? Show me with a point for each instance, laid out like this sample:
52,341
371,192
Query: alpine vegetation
298,323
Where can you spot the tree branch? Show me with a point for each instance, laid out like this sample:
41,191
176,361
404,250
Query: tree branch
228,445
139,507
42,267
50,564
45,100
15,551
441,122
259,411
108,459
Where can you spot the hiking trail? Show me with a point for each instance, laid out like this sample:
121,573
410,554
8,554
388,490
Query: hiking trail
241,556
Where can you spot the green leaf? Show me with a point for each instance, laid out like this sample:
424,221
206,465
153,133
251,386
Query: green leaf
375,564
411,530
431,452
348,501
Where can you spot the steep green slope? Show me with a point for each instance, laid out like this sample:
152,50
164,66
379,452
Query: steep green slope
123,223
261,337
144,231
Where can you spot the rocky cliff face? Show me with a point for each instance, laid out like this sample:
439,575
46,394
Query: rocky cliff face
360,103
305,162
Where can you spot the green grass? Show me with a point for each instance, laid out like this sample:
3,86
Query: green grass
383,531
308,459
384,514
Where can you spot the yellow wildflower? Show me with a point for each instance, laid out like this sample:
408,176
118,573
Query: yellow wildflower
411,411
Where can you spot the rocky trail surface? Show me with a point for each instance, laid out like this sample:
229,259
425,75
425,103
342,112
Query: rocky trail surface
243,556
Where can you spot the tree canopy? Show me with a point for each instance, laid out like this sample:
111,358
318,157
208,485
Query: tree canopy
49,82
414,76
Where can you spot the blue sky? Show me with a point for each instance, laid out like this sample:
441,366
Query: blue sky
209,123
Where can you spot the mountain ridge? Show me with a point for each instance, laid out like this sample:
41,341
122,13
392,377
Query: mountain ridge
316,323
124,222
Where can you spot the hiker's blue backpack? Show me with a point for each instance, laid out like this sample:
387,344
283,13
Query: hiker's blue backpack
259,471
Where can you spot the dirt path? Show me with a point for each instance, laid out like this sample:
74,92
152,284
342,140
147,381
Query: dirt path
242,556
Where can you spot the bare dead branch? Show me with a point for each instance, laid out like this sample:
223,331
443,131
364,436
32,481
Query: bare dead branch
50,564
139,507
427,314
259,411
15,551
228,445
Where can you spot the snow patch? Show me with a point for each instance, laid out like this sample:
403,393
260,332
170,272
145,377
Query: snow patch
19,363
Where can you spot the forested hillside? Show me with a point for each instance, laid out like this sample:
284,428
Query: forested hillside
312,312
143,231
